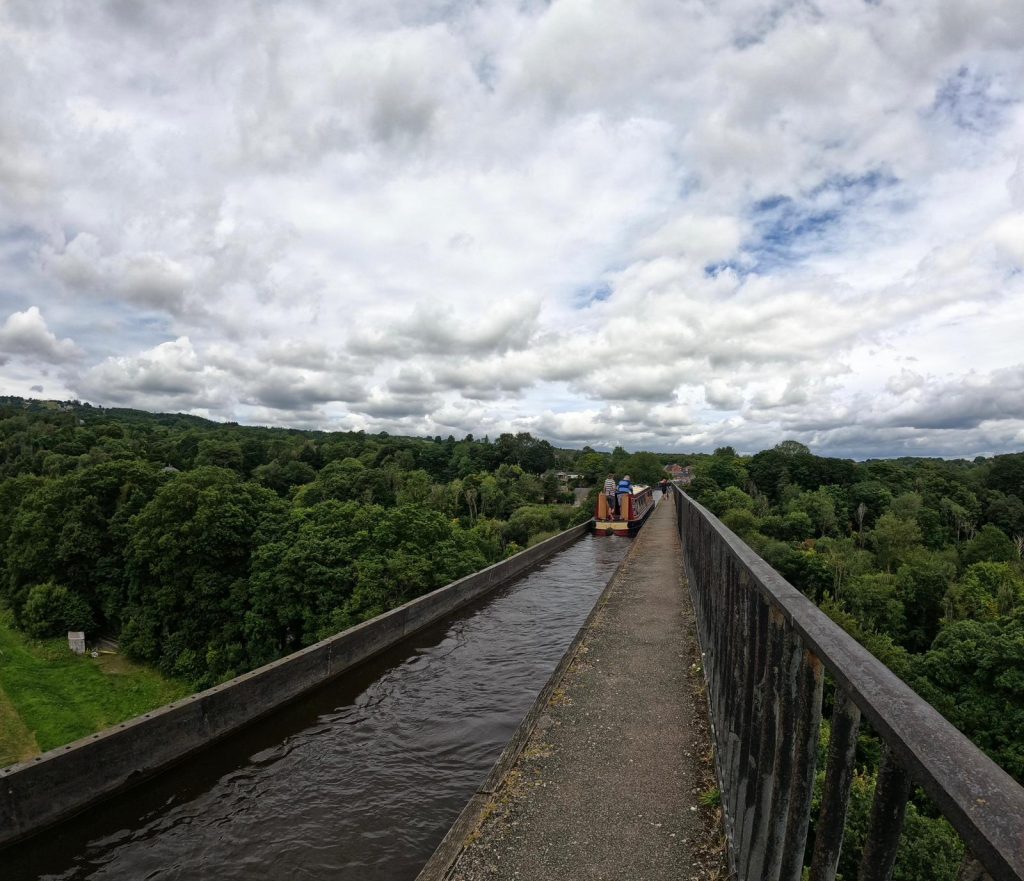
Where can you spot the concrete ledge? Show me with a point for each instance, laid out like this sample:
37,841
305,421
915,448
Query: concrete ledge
52,787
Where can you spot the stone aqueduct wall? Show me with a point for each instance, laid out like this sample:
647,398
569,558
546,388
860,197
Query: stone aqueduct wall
38,793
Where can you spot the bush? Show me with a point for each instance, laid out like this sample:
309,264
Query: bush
52,610
740,521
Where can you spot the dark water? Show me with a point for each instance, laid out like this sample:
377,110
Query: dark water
360,780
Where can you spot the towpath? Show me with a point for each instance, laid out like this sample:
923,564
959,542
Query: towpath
609,783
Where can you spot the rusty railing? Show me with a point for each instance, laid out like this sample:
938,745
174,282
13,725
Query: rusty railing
766,648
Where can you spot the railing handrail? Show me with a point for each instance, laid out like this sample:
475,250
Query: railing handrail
983,803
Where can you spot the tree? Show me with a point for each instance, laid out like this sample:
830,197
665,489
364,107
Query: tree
873,600
645,468
726,469
414,488
220,452
187,559
990,543
1006,474
874,496
1006,512
974,675
741,521
820,507
844,560
892,538
986,591
792,448
282,476
618,462
921,584
52,610
730,498
592,466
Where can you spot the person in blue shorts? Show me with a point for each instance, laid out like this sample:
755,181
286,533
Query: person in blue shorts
624,488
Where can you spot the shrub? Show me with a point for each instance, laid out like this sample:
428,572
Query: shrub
51,610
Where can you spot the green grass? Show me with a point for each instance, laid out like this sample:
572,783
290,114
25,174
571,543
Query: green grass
50,697
16,741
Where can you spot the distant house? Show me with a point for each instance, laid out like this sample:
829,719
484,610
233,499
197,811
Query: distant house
682,473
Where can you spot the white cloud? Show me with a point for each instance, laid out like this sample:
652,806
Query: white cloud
25,334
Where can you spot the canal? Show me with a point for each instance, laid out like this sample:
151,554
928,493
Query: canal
360,780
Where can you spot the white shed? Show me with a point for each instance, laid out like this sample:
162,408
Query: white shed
76,641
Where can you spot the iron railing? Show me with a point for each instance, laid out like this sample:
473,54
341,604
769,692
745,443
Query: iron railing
766,648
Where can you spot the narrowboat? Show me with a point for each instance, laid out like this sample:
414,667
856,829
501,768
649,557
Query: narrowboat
634,509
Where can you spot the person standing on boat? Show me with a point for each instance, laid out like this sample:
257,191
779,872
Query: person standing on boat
624,488
609,494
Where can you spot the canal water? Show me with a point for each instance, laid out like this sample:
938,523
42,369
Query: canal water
360,780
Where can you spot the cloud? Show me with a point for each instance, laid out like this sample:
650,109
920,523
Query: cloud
26,335
147,279
437,329
963,402
722,396
168,375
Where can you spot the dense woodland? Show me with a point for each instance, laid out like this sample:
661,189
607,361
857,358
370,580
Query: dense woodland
208,549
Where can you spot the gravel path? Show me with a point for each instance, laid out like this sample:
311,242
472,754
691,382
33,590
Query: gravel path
609,784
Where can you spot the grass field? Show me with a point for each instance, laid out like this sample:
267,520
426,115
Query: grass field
49,697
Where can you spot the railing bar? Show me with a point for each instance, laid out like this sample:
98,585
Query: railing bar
732,758
782,773
741,625
748,622
891,793
767,754
755,723
808,725
733,673
835,797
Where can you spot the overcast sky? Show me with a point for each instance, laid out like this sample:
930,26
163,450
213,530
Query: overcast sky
669,224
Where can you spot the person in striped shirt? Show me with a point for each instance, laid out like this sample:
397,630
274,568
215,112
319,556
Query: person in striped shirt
610,487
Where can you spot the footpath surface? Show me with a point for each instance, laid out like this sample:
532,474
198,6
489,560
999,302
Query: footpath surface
609,783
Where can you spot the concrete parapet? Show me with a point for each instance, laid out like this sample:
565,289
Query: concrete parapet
54,786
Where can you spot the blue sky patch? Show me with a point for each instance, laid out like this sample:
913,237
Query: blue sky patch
972,101
788,229
586,297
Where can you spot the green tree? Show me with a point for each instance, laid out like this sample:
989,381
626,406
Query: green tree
820,507
645,468
844,559
986,591
873,600
618,462
731,497
921,584
974,675
991,544
52,610
892,539
188,558
221,453
593,466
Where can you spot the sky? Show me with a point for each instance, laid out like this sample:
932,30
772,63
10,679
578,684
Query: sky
665,224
